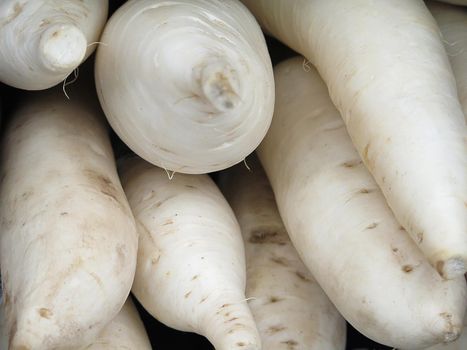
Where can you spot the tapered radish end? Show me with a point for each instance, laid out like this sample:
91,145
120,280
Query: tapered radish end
62,47
452,268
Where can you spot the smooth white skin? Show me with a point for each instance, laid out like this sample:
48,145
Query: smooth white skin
452,21
125,332
186,84
43,41
66,268
290,308
342,228
190,273
389,76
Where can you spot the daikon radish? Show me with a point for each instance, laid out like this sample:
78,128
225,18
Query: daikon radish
186,84
388,74
125,332
290,308
68,240
343,230
452,21
43,41
190,273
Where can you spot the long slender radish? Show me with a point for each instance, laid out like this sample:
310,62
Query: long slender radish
452,21
68,240
339,222
290,308
125,332
190,273
186,84
43,41
388,74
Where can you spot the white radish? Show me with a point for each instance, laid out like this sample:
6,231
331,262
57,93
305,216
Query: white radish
125,332
290,308
452,21
190,273
186,84
43,41
68,240
342,228
389,76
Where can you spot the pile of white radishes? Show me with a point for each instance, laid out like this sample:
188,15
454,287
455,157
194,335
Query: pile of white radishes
360,213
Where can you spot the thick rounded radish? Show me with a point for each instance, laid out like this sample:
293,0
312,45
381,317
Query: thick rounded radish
452,21
388,74
190,273
68,240
338,220
186,84
290,308
43,41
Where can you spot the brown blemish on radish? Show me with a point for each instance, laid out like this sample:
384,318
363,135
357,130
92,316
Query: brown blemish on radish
240,343
366,191
194,277
63,213
232,319
407,268
264,236
187,294
274,299
291,344
17,9
203,300
372,226
275,329
279,261
168,222
352,163
190,186
395,250
302,276
45,313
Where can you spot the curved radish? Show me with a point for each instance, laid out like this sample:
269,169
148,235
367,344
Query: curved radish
66,268
190,273
342,228
452,21
43,41
290,308
388,74
186,84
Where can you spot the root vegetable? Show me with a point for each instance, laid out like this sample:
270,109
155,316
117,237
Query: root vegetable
186,84
43,41
345,233
290,308
388,74
190,273
66,268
